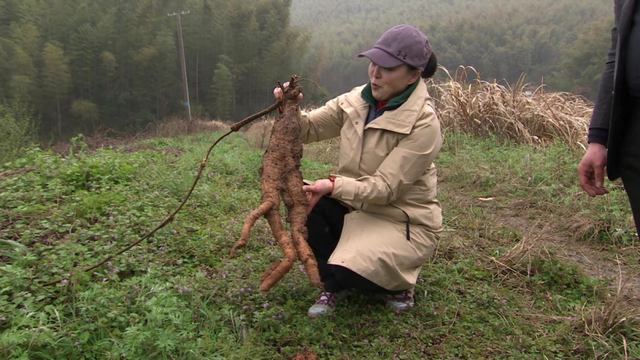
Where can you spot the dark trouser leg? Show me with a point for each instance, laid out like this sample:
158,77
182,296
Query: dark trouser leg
630,163
325,224
631,180
352,280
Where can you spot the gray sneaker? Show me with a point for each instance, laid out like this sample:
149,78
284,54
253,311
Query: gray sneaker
401,302
326,303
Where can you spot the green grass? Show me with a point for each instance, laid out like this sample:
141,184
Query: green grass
179,295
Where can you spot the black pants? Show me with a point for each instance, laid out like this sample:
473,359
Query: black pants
325,227
630,161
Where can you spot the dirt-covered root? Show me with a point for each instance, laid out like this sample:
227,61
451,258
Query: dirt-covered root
280,179
248,224
280,268
307,355
299,233
270,175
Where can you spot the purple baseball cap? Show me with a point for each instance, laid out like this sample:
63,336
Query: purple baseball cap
401,44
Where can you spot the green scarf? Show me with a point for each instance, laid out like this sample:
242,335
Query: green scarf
393,103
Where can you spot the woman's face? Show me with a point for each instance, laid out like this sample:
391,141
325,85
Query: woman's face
387,83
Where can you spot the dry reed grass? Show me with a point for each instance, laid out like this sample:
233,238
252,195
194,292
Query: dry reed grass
175,126
588,229
487,108
615,317
520,260
259,131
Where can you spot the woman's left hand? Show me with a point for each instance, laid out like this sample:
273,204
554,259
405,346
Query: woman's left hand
315,191
278,95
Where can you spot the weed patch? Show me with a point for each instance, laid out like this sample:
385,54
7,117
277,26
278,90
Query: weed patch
179,295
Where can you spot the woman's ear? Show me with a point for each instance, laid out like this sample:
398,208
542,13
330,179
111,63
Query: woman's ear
415,75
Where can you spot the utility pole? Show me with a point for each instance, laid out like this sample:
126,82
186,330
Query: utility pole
185,86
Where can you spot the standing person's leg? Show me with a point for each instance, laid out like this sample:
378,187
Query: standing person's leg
631,180
630,162
324,224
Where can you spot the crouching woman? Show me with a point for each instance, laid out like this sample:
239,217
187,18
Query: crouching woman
375,223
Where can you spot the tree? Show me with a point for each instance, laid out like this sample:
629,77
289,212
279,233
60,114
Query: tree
222,92
584,61
84,60
23,76
18,129
205,39
5,68
28,36
158,75
86,111
56,80
108,69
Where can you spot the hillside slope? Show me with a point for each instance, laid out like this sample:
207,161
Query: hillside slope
501,38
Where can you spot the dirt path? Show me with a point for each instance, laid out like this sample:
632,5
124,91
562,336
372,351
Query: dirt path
596,260
593,261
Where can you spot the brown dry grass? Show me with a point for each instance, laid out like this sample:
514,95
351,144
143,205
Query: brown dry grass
105,138
178,126
519,261
614,317
258,132
467,103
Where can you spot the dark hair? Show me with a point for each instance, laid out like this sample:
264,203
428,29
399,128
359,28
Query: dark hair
431,68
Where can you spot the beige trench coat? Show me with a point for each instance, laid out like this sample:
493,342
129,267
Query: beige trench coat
387,177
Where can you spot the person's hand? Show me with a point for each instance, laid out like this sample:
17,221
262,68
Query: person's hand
277,93
315,191
591,170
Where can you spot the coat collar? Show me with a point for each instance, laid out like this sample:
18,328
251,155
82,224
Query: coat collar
400,120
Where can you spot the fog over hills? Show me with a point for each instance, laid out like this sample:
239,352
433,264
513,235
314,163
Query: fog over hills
500,38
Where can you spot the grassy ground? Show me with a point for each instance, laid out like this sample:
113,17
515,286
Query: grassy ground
526,267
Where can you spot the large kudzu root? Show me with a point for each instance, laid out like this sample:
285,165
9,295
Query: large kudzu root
280,268
307,355
248,224
298,219
281,179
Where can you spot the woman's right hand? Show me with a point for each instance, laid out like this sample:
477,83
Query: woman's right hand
591,170
313,192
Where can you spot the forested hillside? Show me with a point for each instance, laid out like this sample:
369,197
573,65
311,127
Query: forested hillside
85,63
563,41
73,66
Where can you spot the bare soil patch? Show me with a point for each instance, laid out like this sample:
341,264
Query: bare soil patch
106,138
592,259
12,172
